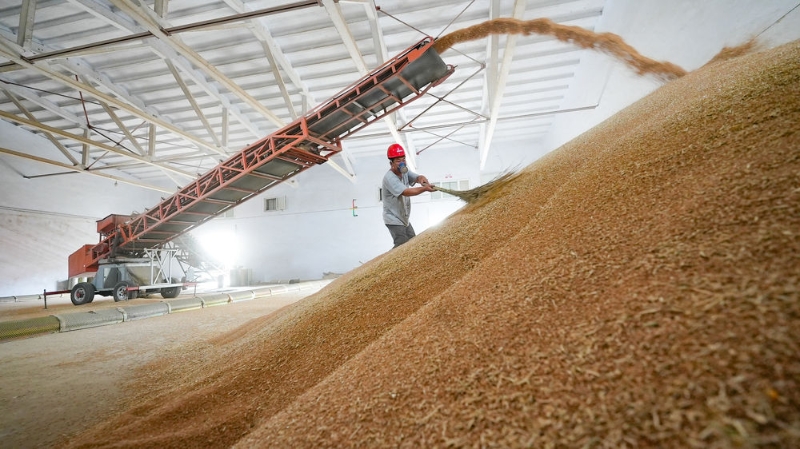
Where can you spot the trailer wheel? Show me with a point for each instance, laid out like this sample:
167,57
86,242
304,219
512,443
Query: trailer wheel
82,293
121,292
170,292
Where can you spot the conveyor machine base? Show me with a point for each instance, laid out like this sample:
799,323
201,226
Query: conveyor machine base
127,278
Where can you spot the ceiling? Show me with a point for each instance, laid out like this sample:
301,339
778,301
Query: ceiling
155,92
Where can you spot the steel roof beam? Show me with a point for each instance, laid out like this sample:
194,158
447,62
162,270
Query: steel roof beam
85,149
351,177
10,51
78,169
132,139
276,73
382,53
277,59
335,13
151,141
155,26
49,136
339,22
347,157
27,16
48,105
166,53
124,129
101,11
83,140
160,7
43,103
224,127
502,78
132,104
188,94
490,78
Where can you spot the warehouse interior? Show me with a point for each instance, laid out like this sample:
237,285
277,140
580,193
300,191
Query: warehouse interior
631,280
109,106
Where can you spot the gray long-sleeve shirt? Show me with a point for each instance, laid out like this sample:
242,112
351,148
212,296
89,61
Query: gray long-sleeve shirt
396,207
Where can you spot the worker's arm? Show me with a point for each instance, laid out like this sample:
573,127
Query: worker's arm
425,186
414,191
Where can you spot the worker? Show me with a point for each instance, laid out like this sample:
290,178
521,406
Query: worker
398,188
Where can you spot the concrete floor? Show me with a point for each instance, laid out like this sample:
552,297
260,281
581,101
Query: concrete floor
54,385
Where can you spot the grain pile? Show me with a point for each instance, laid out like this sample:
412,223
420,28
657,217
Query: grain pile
608,43
637,287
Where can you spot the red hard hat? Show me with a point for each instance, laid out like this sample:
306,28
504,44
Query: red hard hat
395,150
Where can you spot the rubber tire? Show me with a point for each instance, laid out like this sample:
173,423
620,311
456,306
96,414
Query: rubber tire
120,292
82,293
170,292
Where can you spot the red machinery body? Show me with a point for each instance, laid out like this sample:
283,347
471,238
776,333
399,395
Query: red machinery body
308,141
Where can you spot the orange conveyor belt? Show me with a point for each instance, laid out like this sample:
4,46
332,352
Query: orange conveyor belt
308,141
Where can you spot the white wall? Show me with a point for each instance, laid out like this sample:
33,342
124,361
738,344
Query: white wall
44,220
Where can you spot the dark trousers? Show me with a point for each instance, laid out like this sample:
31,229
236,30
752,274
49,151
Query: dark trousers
401,234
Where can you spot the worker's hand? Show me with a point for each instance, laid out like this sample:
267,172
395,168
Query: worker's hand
426,186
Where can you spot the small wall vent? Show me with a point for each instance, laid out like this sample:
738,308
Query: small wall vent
278,203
